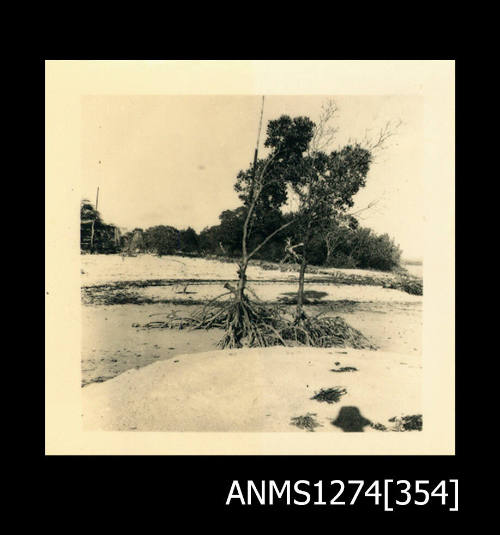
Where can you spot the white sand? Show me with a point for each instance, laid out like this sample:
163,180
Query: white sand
273,291
254,390
101,269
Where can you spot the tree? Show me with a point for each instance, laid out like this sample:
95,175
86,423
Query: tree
95,235
337,234
262,187
373,251
189,240
88,212
326,184
325,191
230,230
209,239
162,239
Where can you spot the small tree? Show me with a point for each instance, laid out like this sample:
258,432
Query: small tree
162,239
325,192
262,187
326,185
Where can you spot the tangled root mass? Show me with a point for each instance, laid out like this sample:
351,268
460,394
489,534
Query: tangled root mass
254,324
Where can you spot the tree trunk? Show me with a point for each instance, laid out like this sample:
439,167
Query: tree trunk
242,281
328,251
299,314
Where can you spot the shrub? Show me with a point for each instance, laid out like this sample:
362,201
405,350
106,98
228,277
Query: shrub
375,252
162,238
342,260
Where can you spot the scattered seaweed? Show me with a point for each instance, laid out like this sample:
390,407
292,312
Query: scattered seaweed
407,423
330,395
345,369
307,422
378,426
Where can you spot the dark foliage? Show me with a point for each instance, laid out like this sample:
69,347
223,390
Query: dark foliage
189,241
161,239
95,235
354,248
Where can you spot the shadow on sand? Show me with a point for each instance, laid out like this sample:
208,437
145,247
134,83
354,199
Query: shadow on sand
350,420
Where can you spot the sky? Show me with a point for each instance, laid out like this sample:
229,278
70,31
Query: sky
172,160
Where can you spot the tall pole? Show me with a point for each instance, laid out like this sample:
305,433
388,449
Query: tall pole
258,136
97,199
255,153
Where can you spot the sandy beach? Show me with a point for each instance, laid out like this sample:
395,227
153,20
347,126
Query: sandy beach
256,390
154,379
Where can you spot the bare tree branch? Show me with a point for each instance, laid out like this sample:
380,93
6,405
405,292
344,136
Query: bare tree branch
255,196
269,237
324,132
369,206
379,141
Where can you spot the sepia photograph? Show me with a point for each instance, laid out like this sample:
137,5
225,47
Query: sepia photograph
258,263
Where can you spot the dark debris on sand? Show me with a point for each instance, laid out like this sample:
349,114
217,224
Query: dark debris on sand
330,395
407,423
307,421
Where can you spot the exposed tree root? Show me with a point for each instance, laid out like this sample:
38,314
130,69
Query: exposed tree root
245,323
326,332
254,324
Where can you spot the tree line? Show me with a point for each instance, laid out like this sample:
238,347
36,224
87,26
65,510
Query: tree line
350,246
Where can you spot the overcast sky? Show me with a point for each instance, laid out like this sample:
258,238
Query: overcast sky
173,160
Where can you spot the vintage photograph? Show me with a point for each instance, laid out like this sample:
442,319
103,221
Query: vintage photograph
252,263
